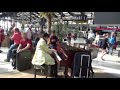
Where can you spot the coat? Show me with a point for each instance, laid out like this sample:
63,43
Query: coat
42,54
2,36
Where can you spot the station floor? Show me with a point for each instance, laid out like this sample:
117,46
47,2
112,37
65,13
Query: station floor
110,68
102,69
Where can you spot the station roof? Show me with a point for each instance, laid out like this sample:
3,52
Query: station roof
35,16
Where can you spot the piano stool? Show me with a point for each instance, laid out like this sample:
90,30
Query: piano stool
43,68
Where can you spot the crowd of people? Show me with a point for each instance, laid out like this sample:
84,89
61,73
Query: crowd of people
107,42
70,36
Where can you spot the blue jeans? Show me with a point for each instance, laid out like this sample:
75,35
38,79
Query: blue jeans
11,43
9,54
111,46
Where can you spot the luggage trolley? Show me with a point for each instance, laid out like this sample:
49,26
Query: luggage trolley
82,65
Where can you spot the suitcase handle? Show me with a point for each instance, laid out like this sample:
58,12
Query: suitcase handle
83,55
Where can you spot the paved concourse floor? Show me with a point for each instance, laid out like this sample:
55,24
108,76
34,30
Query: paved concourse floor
110,68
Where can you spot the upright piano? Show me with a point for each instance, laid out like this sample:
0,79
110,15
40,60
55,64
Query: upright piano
70,51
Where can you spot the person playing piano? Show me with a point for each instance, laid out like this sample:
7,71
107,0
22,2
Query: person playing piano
53,45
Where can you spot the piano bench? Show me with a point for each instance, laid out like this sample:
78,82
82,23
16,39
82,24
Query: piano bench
41,68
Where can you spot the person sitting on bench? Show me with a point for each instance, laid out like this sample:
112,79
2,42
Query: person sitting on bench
25,44
16,38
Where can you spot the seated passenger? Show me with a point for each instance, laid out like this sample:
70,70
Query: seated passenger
17,38
42,54
25,44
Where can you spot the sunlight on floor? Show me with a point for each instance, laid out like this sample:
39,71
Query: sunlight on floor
109,70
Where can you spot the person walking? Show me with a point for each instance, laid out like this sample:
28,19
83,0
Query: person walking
91,37
104,45
115,45
107,36
112,41
97,38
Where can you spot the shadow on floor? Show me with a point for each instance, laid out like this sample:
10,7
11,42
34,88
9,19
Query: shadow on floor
31,71
97,74
105,75
25,74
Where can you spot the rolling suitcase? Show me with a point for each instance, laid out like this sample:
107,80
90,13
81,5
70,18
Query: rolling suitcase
82,65
23,61
119,53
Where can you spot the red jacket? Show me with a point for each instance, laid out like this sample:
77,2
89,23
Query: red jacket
2,37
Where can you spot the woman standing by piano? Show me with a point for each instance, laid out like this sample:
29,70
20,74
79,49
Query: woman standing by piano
53,45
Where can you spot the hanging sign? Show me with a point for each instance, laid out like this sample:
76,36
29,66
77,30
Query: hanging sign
80,18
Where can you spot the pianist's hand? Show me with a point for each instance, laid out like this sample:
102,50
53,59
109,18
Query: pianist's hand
53,50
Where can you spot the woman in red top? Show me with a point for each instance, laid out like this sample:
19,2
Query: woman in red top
2,37
17,38
25,44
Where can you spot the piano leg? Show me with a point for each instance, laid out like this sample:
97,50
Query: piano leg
66,72
71,72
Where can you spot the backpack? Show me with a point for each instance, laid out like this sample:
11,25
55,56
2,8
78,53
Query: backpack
112,40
